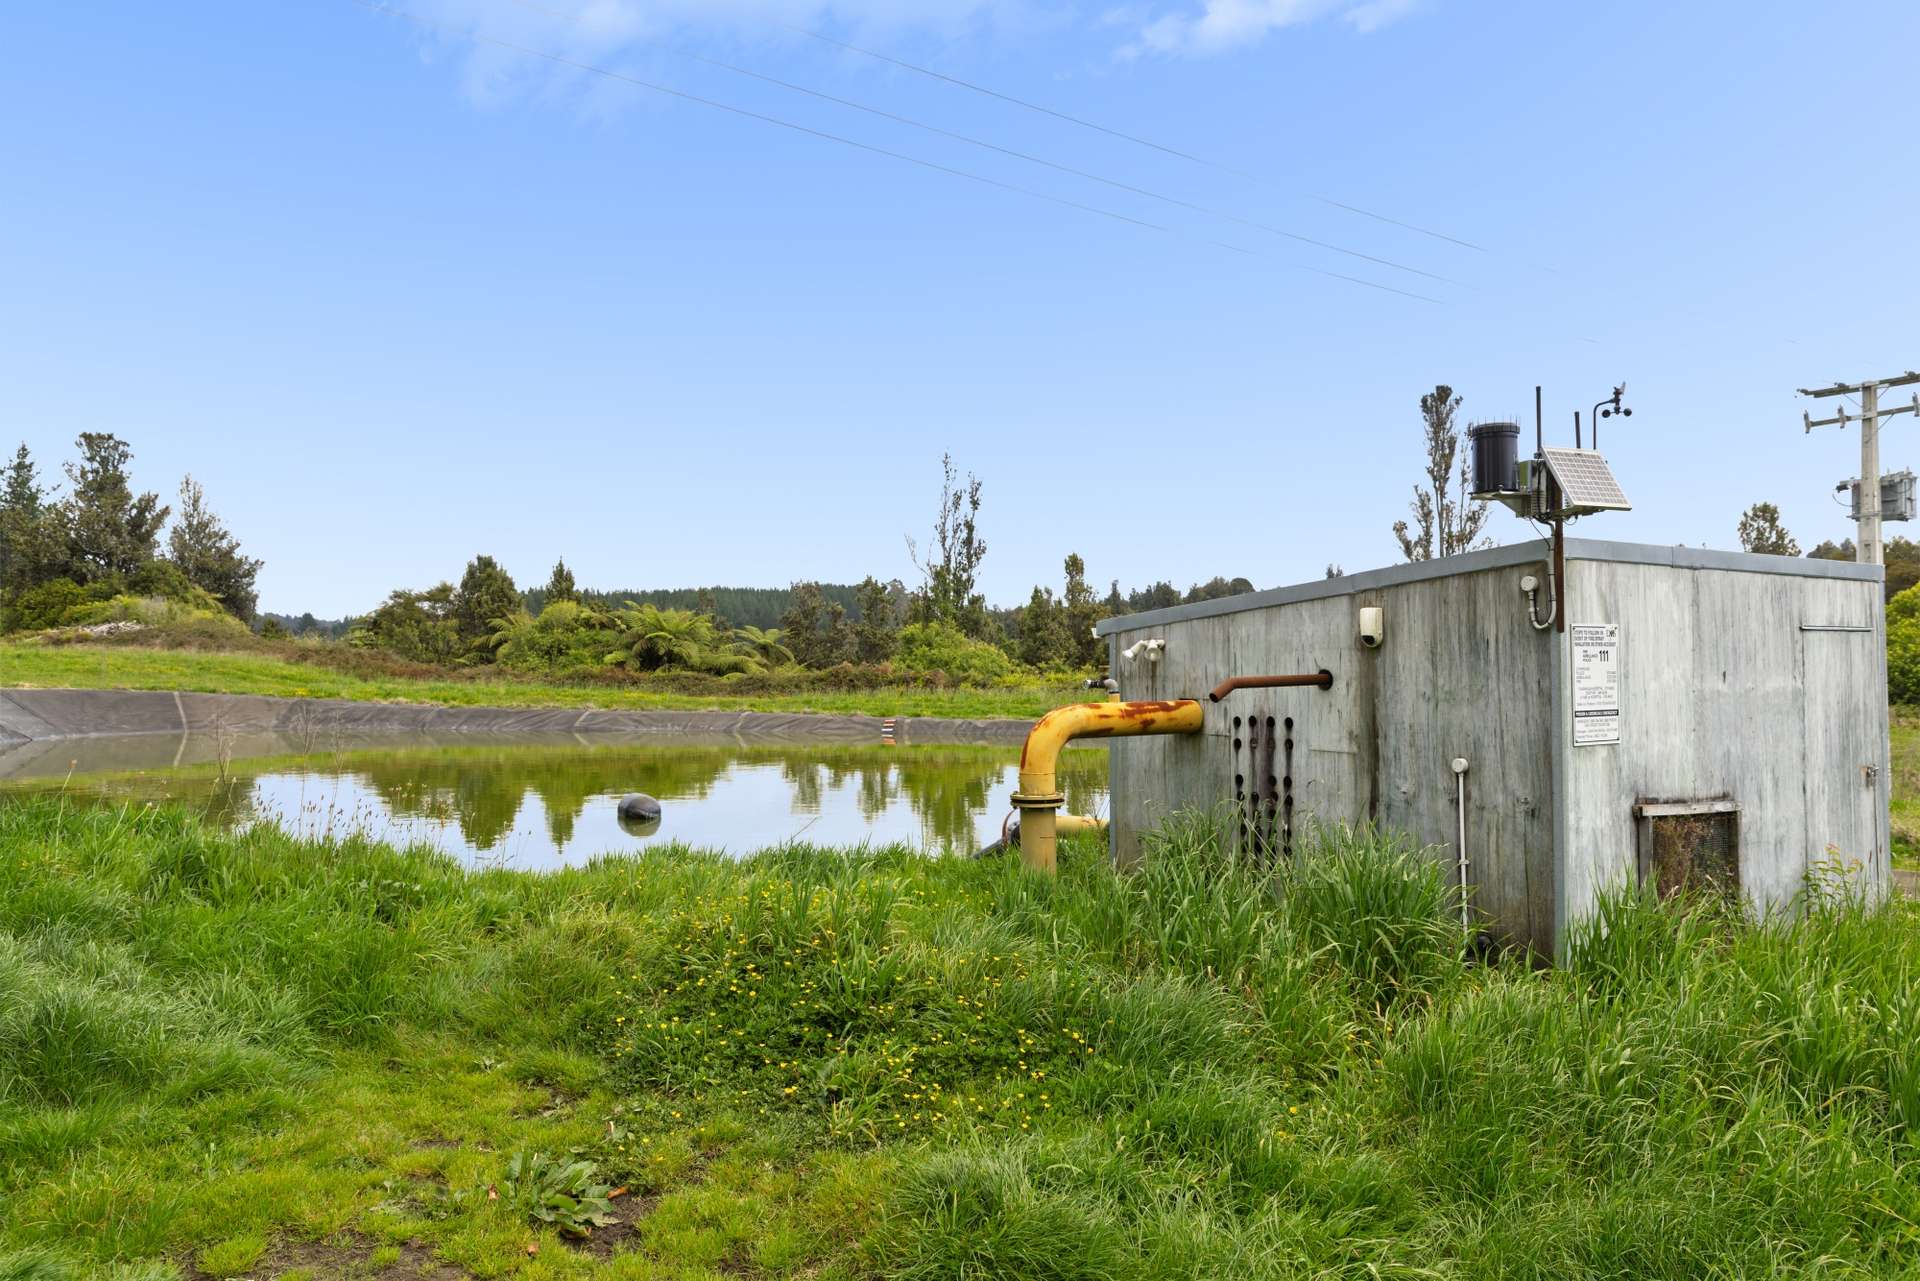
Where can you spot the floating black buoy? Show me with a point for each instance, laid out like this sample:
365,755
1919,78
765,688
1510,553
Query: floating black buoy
638,807
639,814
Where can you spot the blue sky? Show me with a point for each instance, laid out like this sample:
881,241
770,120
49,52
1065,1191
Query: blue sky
396,297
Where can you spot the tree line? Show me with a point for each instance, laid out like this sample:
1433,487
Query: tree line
93,551
96,549
941,623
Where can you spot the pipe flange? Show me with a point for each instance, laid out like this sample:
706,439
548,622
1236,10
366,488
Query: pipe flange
1039,801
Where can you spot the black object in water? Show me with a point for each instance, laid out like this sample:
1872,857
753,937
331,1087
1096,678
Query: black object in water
639,814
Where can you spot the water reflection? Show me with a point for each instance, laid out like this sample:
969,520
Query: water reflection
540,806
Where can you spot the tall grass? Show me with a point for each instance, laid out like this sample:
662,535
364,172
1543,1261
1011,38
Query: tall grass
1206,1068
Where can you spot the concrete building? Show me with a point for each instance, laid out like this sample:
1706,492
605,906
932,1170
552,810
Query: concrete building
1703,716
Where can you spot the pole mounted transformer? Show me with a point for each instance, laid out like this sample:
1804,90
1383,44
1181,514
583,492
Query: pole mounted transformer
1870,505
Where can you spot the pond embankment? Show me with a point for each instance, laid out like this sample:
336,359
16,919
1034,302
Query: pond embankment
54,715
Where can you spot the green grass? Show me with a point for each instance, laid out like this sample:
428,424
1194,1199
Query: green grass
258,1056
297,671
1905,804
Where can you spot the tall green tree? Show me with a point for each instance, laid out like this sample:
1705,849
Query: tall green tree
815,629
32,549
110,529
418,625
1446,519
1079,611
1762,532
876,634
560,584
950,567
1043,639
210,556
486,592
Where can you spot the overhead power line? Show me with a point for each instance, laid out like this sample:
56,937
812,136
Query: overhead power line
1028,157
1058,167
1110,132
1018,102
935,166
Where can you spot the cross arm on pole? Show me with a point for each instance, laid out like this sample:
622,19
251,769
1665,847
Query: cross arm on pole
1853,389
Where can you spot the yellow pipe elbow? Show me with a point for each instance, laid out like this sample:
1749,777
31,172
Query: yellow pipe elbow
1039,798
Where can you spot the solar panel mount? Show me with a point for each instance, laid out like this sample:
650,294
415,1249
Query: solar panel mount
1586,482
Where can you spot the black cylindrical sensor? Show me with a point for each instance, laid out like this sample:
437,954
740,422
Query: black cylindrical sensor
1496,455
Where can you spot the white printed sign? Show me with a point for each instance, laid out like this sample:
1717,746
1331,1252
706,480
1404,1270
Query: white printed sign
1596,683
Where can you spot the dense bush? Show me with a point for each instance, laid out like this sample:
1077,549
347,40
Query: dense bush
565,637
158,595
1903,647
160,612
46,605
938,647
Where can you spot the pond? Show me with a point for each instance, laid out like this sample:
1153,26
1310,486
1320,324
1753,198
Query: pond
544,805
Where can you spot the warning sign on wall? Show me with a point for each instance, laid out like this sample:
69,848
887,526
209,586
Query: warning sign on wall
1596,683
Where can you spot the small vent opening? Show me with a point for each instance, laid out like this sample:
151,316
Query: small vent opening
1689,846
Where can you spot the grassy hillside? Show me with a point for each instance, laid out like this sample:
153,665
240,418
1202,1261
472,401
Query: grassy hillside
246,1056
296,671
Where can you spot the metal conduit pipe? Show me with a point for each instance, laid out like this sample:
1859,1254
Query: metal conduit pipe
1322,679
1040,800
1460,799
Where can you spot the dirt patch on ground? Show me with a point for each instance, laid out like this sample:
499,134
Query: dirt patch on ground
631,1212
438,1143
350,1257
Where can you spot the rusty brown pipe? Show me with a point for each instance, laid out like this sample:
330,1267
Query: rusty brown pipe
1322,679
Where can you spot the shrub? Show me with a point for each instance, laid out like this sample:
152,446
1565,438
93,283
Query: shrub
38,608
566,636
652,639
940,647
202,619
1903,647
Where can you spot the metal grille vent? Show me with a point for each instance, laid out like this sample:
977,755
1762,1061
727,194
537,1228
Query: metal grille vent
1263,787
1689,846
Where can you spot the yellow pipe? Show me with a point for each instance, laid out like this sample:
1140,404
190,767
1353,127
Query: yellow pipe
1039,799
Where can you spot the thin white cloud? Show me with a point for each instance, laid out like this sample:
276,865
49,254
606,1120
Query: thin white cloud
610,24
594,30
1228,24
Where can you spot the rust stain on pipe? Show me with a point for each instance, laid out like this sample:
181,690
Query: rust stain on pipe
1322,679
1039,799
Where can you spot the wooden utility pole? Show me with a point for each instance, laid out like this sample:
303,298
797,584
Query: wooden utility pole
1868,547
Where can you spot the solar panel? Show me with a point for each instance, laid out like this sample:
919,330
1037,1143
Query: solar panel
1586,482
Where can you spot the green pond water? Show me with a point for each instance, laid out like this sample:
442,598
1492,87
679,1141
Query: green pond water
537,806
